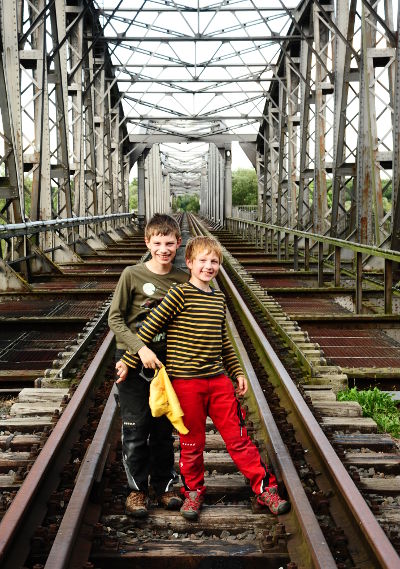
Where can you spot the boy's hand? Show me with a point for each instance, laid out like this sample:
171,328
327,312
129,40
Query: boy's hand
122,371
241,385
149,358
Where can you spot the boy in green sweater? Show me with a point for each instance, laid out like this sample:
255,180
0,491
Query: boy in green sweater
147,442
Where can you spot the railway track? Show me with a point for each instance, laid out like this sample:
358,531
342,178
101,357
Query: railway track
330,525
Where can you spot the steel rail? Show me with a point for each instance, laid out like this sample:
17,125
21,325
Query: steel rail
368,528
30,504
90,470
317,548
364,522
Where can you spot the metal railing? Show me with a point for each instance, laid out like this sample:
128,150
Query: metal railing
329,250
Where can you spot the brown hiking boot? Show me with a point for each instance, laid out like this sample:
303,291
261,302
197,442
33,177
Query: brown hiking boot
170,500
136,504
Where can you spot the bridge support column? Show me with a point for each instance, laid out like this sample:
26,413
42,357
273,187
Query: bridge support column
227,207
141,191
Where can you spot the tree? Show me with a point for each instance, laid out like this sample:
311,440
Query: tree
186,203
133,195
244,187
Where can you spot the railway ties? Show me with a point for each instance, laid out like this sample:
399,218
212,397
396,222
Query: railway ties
230,524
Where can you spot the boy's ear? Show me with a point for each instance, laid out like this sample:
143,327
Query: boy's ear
189,264
179,242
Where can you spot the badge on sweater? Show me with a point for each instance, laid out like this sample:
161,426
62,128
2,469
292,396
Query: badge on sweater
149,289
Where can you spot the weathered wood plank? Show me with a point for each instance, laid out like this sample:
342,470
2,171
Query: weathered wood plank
26,423
362,424
367,440
18,442
31,409
7,482
338,408
187,553
325,395
211,518
377,460
380,485
54,394
13,460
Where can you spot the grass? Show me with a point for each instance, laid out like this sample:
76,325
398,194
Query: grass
378,405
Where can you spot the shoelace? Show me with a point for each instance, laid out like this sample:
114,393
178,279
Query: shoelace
193,502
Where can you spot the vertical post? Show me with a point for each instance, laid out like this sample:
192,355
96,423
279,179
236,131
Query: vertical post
306,254
388,285
141,192
296,253
228,184
358,303
265,187
338,252
320,263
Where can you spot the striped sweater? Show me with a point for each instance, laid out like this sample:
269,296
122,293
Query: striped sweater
197,340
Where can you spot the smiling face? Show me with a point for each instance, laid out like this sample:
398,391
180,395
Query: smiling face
204,266
163,249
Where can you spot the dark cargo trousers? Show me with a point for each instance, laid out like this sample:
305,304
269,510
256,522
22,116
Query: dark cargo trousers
147,442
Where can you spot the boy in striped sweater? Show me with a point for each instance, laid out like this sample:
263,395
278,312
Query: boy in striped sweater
199,354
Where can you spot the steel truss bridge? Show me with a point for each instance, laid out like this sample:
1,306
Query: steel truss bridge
88,89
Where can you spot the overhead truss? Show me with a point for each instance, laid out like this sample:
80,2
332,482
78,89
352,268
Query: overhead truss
310,90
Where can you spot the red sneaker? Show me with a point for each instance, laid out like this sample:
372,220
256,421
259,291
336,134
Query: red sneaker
192,504
273,501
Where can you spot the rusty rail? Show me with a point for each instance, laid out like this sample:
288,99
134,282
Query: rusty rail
90,470
30,504
358,514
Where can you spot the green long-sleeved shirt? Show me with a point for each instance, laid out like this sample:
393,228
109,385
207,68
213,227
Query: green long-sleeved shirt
137,291
197,340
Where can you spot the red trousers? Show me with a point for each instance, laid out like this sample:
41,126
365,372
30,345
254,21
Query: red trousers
215,397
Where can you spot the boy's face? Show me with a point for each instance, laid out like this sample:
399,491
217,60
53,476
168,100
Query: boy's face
163,248
204,266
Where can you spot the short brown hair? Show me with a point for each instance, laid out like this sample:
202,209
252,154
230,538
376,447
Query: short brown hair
161,224
200,243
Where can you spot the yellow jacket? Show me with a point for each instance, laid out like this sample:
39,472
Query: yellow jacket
164,401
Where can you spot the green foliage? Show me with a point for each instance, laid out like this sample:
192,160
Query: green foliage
244,187
133,195
378,405
186,203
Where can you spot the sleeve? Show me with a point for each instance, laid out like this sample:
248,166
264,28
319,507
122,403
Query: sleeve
119,305
229,358
158,318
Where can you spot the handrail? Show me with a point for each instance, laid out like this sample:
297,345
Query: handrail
33,227
357,247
